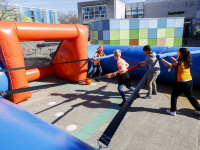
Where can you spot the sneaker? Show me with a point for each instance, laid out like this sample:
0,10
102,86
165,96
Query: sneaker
148,96
97,80
122,103
173,113
197,112
154,93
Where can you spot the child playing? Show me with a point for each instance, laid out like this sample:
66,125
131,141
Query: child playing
124,78
149,60
96,63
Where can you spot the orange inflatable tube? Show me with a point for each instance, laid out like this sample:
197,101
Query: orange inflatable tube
73,47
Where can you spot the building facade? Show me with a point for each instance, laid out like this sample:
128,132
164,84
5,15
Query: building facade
135,10
175,8
29,14
100,10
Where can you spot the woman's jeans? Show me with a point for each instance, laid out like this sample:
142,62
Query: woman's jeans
120,89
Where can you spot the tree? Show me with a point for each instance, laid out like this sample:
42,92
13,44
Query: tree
70,18
8,12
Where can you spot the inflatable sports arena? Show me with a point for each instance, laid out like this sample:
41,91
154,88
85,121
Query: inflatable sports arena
72,61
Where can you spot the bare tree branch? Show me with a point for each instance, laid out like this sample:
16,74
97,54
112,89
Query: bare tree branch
8,12
70,18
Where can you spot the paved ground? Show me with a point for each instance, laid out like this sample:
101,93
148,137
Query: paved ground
39,48
146,126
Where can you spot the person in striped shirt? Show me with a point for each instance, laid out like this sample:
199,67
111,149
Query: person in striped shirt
96,63
184,83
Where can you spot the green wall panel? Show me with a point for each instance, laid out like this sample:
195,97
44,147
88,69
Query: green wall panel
92,26
143,33
106,42
93,35
114,42
170,32
161,33
37,21
152,42
114,34
100,42
96,35
178,41
134,34
22,18
143,42
96,42
124,42
169,42
124,34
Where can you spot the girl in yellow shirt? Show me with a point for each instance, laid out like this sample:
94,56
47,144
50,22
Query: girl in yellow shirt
184,83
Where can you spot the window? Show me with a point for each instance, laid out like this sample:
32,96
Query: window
135,11
96,12
32,16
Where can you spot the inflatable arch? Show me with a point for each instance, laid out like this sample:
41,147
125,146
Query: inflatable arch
73,46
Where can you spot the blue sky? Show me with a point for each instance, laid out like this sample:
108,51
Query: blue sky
61,5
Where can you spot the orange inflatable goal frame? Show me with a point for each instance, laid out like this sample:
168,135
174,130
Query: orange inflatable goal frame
73,46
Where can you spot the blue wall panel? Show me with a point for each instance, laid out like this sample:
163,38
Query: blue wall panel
100,35
50,17
178,32
28,12
171,23
56,17
152,33
100,25
106,35
144,24
124,24
106,25
38,15
21,11
114,24
96,26
134,24
162,23
25,11
35,14
45,16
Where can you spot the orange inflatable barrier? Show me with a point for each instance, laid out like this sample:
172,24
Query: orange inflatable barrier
40,72
73,47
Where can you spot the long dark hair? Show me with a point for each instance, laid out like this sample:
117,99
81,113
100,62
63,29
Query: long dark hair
186,57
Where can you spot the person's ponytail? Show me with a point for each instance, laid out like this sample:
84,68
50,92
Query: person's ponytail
186,57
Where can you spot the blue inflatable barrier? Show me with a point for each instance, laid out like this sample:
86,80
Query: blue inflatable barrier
21,130
136,55
4,84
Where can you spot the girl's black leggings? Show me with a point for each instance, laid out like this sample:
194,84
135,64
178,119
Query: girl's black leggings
186,88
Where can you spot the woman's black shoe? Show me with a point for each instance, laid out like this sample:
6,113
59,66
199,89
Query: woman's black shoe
97,80
122,103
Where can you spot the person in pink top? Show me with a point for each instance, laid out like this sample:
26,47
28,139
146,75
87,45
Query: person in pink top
124,78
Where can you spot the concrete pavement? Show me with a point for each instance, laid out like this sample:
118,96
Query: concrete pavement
146,126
